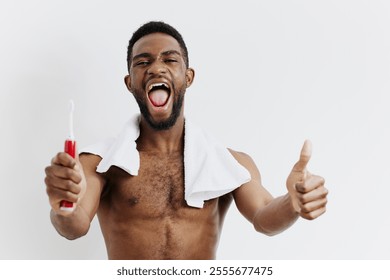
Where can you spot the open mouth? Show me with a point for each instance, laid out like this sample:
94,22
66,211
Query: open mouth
158,94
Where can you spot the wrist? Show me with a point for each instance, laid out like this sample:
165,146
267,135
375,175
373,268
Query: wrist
289,204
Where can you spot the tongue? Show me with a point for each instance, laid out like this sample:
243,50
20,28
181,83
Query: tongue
158,97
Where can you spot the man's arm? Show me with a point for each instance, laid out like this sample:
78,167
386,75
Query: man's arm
74,180
306,196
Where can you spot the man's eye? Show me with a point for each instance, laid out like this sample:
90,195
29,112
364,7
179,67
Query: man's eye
170,60
142,63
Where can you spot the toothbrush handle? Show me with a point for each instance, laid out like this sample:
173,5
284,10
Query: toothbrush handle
70,149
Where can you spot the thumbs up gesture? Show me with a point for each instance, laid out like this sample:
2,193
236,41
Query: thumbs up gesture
307,191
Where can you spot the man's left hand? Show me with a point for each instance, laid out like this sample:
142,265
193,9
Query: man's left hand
307,191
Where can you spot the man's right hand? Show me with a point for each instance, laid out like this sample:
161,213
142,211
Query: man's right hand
65,180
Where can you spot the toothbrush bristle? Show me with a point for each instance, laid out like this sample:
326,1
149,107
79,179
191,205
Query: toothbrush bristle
71,105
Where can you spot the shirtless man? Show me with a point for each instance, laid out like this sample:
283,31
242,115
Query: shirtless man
146,216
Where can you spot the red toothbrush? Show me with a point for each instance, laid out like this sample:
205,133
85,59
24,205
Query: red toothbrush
70,149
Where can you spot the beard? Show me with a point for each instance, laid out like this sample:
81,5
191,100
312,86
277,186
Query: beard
168,123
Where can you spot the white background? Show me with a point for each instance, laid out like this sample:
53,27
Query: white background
269,74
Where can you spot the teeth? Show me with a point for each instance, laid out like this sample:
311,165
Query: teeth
158,85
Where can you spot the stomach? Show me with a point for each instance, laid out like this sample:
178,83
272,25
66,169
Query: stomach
163,239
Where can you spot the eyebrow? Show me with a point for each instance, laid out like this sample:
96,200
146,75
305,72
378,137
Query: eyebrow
148,55
142,55
171,52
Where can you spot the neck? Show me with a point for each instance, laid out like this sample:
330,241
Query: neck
161,141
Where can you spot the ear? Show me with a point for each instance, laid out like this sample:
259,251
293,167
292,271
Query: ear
190,75
127,81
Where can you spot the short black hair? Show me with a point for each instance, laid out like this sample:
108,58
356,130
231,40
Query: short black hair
156,27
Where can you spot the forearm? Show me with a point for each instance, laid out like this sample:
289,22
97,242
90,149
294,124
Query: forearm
276,216
71,226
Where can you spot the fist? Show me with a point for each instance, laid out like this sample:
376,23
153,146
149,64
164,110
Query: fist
64,180
307,191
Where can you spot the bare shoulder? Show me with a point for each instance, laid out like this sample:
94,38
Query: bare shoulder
89,161
238,155
246,161
251,196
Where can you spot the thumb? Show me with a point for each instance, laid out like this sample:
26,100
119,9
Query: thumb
304,157
78,165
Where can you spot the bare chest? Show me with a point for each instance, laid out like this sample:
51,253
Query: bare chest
157,190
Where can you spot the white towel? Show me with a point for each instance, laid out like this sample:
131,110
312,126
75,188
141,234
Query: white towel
210,169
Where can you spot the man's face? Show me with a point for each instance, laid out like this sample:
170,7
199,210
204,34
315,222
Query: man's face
158,79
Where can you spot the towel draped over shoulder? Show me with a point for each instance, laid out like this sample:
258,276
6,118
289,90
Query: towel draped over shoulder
210,169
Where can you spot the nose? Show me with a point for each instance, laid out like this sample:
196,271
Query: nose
157,67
